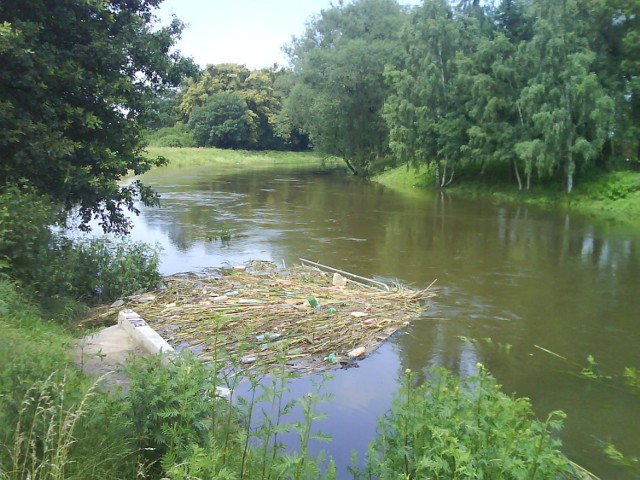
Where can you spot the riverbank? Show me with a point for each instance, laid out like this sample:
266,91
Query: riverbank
182,157
613,196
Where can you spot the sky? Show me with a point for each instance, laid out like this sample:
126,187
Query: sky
248,32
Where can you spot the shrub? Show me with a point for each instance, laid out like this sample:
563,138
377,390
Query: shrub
169,404
99,269
451,428
25,217
176,136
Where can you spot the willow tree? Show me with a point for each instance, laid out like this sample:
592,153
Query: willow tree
494,77
568,112
424,111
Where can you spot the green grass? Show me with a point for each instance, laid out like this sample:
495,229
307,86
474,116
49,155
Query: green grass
220,157
404,178
612,195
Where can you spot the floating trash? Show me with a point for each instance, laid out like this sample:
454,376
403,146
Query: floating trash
357,352
266,313
313,301
267,336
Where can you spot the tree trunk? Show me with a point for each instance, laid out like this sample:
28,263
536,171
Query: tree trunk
515,168
444,173
453,171
571,167
438,173
350,167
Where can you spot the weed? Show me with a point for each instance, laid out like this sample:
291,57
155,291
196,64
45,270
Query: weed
44,433
452,428
619,458
632,378
589,372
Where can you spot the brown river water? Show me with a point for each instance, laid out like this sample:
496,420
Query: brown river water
509,278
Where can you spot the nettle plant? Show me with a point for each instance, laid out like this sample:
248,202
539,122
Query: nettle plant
452,428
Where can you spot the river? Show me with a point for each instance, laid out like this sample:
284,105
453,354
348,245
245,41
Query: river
509,278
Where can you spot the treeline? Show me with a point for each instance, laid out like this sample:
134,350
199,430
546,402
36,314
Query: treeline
228,106
536,89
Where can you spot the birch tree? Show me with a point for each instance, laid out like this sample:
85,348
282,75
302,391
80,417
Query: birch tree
569,113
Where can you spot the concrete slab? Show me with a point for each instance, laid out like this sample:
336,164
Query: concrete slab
107,351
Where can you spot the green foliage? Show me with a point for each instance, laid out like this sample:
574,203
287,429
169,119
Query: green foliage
25,217
57,268
590,371
619,458
451,428
176,136
616,186
569,114
76,83
260,92
340,88
632,378
424,114
99,269
171,407
45,429
224,121
30,349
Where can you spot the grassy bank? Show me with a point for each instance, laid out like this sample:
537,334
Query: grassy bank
613,195
254,159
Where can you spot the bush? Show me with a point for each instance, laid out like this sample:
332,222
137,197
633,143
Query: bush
452,428
99,269
58,269
176,136
25,217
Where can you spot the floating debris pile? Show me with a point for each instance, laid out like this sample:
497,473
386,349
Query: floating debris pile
258,313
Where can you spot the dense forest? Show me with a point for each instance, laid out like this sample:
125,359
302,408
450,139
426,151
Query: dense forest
539,90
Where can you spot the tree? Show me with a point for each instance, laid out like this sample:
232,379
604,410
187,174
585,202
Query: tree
495,79
340,90
75,84
424,112
224,121
569,112
630,75
512,20
256,88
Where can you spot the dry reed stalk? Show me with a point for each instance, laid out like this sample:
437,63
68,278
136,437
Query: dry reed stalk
240,306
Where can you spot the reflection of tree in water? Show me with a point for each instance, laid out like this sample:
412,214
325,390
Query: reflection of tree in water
437,348
510,272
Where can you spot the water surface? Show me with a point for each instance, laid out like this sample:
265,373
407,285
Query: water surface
509,277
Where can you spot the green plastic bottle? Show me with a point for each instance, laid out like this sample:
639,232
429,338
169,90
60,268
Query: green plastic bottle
313,301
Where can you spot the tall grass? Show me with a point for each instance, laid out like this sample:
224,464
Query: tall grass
44,433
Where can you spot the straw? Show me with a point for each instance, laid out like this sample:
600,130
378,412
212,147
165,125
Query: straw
260,311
